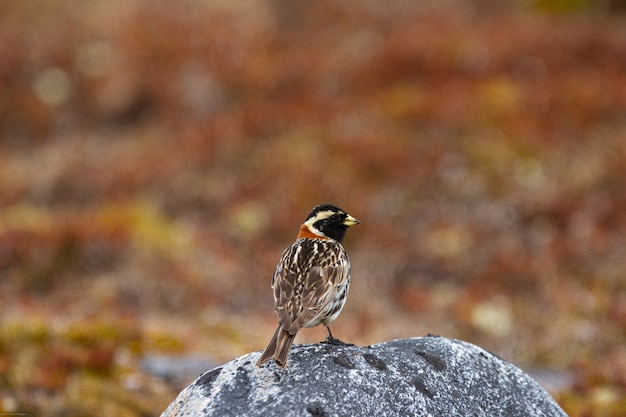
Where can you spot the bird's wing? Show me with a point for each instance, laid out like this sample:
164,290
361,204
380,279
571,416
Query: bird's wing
321,288
318,290
284,284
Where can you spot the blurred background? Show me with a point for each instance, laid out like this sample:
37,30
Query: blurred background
157,157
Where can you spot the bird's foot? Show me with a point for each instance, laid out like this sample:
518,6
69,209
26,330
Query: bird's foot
332,341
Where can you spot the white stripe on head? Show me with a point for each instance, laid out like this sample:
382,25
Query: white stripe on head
310,223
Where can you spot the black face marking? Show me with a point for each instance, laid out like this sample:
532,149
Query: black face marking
331,221
333,226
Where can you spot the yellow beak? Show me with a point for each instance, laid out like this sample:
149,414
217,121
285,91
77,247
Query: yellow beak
350,221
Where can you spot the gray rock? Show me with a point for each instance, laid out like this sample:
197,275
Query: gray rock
426,376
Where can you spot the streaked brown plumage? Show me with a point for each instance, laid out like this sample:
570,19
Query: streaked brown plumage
311,281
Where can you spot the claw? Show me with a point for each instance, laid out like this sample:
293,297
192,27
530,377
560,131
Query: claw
332,341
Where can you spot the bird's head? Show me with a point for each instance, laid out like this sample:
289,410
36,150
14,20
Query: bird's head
327,221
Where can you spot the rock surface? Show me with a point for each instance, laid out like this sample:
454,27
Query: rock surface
426,376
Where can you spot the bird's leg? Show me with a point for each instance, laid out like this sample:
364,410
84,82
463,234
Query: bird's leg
330,339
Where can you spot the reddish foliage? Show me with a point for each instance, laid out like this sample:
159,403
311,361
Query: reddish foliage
161,156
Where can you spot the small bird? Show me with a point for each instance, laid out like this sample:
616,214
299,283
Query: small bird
311,280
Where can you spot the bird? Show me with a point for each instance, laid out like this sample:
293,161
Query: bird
311,280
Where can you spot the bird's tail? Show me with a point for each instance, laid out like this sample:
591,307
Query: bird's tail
278,348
